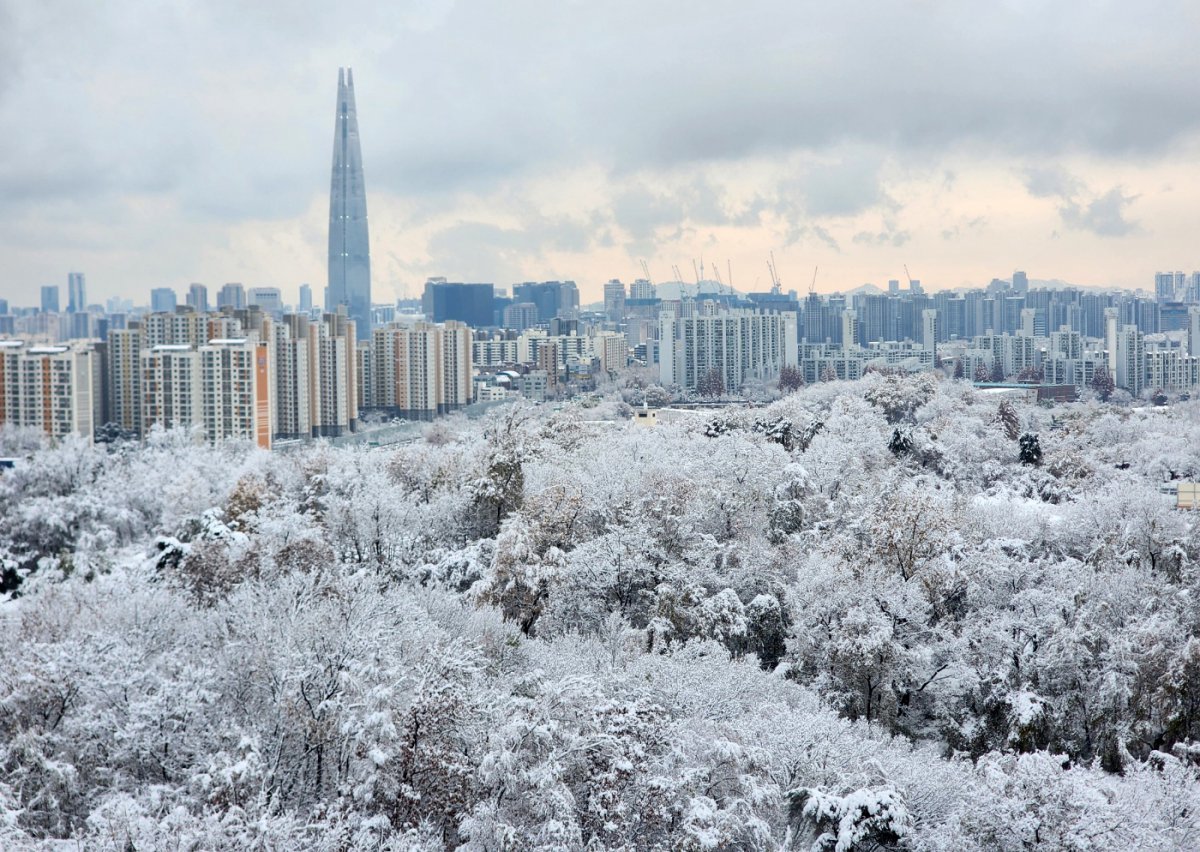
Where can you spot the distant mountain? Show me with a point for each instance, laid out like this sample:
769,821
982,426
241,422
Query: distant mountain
865,290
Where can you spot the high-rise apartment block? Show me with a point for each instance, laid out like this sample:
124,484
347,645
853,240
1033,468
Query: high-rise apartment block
739,344
222,388
124,379
641,290
421,369
236,380
51,388
611,350
614,301
1169,286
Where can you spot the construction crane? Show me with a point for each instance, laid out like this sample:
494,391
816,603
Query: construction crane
696,270
646,271
717,274
678,274
909,277
776,285
729,266
812,288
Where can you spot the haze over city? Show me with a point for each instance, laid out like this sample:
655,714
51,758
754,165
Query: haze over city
156,146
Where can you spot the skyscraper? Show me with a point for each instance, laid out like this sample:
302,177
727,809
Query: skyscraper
197,298
232,296
49,299
76,293
162,300
349,258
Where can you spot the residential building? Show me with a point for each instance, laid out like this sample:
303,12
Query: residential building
421,369
51,388
739,344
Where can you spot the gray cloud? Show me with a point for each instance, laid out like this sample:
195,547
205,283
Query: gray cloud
1104,216
1079,207
882,238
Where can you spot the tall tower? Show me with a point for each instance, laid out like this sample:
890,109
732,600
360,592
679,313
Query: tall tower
349,260
76,293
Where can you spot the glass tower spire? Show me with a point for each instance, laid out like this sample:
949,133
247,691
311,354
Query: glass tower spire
349,258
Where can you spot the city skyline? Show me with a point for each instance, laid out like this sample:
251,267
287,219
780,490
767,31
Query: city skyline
928,137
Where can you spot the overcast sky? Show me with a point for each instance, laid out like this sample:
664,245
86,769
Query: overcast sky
159,143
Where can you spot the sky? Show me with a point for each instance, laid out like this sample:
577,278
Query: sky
154,144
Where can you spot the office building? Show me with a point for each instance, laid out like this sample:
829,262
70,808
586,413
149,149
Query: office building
197,298
49,299
520,316
269,299
305,306
553,298
471,304
162,300
76,293
1020,283
349,251
233,296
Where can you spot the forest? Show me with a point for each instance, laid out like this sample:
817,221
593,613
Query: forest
899,613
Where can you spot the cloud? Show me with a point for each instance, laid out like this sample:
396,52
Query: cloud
1051,182
882,238
1103,216
1079,208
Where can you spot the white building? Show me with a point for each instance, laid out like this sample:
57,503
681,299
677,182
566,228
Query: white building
51,388
739,344
235,381
172,395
